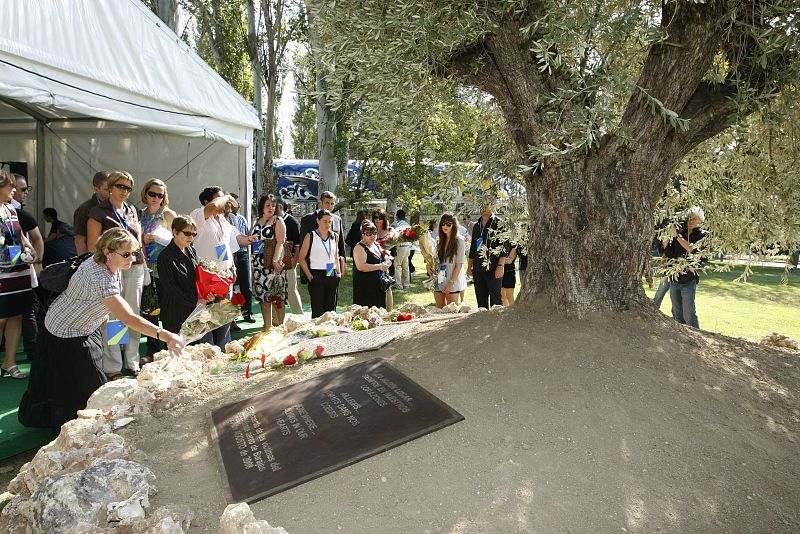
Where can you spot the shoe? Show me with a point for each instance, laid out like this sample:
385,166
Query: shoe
235,327
248,318
13,372
133,372
114,376
144,360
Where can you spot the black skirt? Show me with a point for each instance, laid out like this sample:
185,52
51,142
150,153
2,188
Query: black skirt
63,377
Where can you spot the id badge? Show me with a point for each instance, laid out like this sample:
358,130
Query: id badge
442,276
222,252
257,247
330,270
479,243
116,333
151,251
15,254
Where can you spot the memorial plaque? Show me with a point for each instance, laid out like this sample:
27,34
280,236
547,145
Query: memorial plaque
282,438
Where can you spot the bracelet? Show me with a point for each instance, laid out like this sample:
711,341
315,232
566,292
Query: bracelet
158,333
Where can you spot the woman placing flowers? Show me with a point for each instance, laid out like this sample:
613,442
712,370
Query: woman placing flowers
269,278
322,268
448,277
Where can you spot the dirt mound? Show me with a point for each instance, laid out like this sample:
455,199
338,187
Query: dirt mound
609,424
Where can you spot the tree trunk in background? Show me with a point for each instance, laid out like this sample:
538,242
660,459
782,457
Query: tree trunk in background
252,44
167,11
326,125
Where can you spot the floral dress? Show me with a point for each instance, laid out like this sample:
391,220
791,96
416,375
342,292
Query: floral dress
268,286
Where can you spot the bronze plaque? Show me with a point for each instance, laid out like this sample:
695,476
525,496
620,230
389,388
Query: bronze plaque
282,438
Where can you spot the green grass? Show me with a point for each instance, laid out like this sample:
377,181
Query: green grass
749,309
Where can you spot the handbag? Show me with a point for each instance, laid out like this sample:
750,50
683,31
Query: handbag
288,255
386,281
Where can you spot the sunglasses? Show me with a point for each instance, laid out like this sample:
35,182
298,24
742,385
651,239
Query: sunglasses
26,189
189,234
153,194
447,224
370,232
123,187
126,255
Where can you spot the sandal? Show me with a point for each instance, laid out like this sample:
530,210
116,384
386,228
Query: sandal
13,372
114,376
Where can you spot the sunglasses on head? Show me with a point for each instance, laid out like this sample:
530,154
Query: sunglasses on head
189,234
153,194
126,255
123,187
370,232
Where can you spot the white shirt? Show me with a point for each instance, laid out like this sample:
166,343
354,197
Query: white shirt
211,233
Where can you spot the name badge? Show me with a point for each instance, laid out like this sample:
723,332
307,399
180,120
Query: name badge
222,252
116,333
15,254
152,251
257,247
479,243
442,276
330,270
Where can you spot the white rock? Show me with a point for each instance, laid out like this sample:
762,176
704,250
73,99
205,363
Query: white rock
73,501
239,519
121,422
234,347
130,509
110,394
293,322
164,520
497,307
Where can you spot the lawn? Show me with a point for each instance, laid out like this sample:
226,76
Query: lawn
749,309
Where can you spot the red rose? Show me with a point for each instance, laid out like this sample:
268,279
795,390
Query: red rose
289,360
237,299
319,351
263,360
247,371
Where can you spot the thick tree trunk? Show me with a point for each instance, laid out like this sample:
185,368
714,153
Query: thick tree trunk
590,237
253,50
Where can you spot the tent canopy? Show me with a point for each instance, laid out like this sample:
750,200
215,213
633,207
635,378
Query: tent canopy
89,85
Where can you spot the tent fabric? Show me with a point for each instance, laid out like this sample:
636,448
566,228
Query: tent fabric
115,60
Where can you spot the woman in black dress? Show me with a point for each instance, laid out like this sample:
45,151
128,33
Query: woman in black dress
177,267
370,263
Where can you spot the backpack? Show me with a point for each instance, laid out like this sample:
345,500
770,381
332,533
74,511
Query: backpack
55,277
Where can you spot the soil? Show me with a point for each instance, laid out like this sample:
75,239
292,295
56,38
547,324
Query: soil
613,423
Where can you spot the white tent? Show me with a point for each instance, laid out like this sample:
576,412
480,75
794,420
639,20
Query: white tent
88,85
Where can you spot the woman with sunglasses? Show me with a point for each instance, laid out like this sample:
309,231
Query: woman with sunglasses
370,262
449,281
177,268
115,212
69,367
156,220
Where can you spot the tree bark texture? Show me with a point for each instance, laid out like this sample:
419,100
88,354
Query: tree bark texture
326,125
590,215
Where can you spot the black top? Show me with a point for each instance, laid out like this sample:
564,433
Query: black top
675,250
487,233
81,216
26,220
366,285
354,234
177,272
292,229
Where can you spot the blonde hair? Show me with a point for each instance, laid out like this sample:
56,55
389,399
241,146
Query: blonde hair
116,176
5,176
113,239
160,183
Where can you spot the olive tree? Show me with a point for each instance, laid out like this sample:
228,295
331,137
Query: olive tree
602,101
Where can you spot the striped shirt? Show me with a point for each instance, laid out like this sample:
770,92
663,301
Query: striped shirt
79,310
18,277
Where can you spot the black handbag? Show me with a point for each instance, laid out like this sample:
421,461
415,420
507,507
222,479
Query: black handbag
386,281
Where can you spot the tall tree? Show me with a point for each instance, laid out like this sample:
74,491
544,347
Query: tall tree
601,99
167,11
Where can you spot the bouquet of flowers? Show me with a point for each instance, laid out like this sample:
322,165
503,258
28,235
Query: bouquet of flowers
427,249
275,287
211,281
207,317
408,234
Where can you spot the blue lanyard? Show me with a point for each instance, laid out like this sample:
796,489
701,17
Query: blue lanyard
122,221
